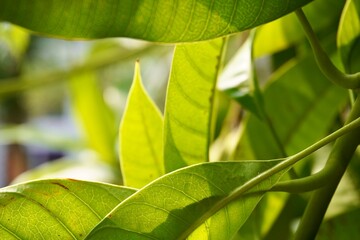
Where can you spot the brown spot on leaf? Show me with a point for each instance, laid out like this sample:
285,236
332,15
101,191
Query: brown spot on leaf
61,185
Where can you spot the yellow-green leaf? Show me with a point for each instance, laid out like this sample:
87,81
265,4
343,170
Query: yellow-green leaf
194,200
154,20
56,209
348,39
189,103
141,137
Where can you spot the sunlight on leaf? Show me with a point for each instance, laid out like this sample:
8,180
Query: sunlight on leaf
349,35
322,15
154,20
141,137
189,103
175,205
56,209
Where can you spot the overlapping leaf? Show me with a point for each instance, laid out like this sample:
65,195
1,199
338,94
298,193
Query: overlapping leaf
56,209
300,109
154,20
173,206
189,103
141,137
349,36
322,14
239,81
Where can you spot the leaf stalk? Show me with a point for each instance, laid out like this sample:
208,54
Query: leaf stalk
349,81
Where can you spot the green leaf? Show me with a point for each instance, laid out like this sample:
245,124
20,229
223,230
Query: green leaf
56,209
141,137
342,227
348,39
154,20
322,14
95,117
189,103
238,79
175,205
313,106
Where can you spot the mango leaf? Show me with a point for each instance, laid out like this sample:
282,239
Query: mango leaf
141,137
187,201
238,79
342,227
95,117
189,103
301,111
348,39
313,106
322,14
56,209
154,20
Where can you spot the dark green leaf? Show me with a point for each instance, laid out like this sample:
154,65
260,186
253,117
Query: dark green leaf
300,109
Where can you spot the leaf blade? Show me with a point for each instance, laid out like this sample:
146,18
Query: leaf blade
184,199
56,209
348,38
156,20
189,103
142,125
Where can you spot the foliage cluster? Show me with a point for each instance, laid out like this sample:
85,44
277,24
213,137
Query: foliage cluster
250,117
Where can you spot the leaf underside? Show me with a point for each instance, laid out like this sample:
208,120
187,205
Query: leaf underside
56,209
175,205
189,103
153,20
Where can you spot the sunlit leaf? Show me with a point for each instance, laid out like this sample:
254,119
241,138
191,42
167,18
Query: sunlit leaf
141,137
155,20
56,209
348,40
94,115
173,206
189,103
322,14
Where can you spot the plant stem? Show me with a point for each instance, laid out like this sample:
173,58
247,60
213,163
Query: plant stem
286,164
339,159
350,81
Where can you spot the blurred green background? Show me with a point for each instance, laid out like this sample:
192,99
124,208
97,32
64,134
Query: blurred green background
61,102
